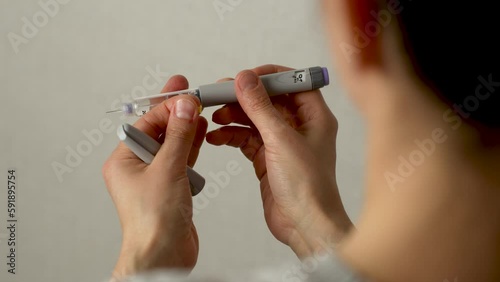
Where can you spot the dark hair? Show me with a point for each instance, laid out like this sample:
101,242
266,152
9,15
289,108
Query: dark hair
455,49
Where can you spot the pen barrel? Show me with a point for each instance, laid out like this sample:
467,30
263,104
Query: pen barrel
293,81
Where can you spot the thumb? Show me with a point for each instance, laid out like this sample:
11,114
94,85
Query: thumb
255,102
179,135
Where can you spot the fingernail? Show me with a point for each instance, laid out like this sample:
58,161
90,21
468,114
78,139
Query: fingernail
185,109
248,81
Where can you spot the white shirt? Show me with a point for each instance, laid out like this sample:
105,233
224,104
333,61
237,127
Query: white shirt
319,269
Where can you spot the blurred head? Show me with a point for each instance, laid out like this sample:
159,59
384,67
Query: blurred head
444,52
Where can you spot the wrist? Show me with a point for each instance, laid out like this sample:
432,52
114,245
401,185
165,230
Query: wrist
160,251
139,255
130,261
324,235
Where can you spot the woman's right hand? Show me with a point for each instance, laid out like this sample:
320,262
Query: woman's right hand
291,142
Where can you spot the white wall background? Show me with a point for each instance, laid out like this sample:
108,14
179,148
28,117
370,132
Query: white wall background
91,52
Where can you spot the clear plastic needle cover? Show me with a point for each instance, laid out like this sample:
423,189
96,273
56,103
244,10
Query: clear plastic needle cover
140,106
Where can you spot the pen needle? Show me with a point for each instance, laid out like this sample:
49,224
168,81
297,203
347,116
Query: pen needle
114,111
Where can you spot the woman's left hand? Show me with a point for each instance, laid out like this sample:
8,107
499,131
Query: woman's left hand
154,201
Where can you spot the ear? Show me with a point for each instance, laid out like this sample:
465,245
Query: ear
366,32
368,47
360,30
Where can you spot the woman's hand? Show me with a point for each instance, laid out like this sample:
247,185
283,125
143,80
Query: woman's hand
291,142
153,200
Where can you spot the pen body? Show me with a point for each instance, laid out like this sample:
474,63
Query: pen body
276,84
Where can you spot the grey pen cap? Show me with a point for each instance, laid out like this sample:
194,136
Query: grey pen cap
145,147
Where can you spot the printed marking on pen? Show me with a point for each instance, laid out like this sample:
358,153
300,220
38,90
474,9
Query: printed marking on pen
11,225
299,76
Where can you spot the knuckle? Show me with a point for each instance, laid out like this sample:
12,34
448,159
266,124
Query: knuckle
107,171
106,168
332,123
327,120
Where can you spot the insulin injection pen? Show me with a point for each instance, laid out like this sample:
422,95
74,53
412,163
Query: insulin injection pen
293,81
146,147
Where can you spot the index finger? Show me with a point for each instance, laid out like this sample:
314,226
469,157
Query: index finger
268,69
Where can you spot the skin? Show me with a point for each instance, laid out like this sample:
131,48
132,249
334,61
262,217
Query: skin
443,221
302,206
153,200
440,222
